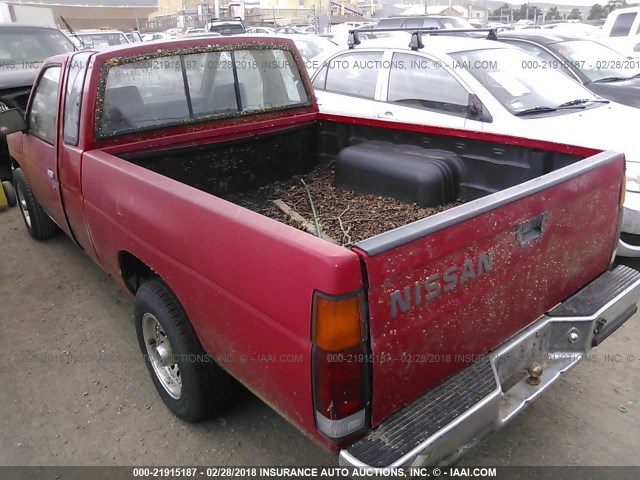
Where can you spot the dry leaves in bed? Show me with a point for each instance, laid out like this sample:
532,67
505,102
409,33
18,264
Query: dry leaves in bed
343,215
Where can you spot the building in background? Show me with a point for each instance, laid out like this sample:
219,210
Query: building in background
196,13
117,14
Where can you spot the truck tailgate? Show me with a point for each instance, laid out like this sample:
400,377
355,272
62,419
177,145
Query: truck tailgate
444,291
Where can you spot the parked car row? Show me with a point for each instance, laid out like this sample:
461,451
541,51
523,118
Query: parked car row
539,84
557,94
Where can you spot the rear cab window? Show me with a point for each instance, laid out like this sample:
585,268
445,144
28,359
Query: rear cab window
181,88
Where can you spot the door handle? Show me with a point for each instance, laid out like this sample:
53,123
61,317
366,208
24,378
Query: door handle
530,230
51,174
385,115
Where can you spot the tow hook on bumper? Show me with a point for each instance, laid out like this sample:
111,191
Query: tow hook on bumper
441,425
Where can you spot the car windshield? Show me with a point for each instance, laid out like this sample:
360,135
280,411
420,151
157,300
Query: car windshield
311,47
453,22
92,40
510,76
597,61
20,46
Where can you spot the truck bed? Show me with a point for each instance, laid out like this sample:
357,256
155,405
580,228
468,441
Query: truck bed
253,172
345,216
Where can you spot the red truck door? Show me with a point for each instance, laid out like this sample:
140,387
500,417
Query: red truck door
40,143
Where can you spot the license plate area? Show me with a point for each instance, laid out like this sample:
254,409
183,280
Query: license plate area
512,366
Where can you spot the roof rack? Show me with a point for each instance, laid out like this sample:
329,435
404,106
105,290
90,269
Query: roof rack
416,34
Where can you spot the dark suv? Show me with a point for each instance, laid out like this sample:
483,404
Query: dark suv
226,26
22,50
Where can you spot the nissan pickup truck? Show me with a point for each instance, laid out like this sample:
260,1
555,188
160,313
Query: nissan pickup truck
405,347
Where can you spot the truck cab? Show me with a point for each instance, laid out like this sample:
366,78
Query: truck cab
621,31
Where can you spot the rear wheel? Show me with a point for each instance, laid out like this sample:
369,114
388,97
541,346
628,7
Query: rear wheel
38,223
190,384
10,193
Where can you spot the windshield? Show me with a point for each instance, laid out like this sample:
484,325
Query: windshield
510,76
93,40
20,48
453,22
312,47
597,61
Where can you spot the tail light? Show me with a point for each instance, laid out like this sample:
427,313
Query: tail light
340,364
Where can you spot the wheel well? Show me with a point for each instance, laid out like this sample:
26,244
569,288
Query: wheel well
134,271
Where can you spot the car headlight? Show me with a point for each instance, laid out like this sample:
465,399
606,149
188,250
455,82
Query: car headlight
3,107
633,177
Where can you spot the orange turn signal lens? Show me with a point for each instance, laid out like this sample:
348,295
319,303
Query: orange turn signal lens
337,322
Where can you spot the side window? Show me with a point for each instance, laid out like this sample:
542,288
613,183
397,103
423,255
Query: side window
430,23
419,82
44,107
321,79
623,24
354,74
413,23
73,96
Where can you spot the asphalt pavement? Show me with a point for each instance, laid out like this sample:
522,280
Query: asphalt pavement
74,391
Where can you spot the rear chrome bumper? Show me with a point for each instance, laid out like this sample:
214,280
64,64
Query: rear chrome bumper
440,426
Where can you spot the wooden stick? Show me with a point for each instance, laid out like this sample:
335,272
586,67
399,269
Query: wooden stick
313,210
306,225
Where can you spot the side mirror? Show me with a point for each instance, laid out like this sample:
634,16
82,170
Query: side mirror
477,110
12,121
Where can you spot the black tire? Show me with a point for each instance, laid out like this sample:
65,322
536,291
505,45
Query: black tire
10,193
206,388
39,225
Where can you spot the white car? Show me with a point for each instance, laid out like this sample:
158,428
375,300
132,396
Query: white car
577,29
313,48
264,30
149,37
194,31
485,86
100,38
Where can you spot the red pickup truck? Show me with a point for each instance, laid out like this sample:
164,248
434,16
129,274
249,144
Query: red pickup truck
403,348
